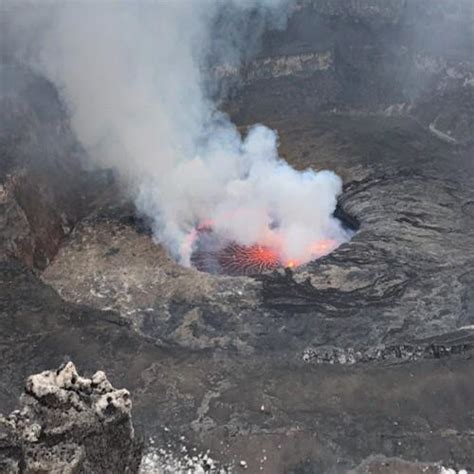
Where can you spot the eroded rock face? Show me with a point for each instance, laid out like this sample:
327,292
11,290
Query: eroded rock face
70,424
394,57
44,189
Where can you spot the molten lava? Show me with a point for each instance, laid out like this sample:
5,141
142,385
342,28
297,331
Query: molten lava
239,259
215,255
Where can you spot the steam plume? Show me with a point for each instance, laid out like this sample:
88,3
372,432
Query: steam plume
135,78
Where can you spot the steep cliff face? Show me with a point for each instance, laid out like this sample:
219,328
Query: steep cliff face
43,188
394,57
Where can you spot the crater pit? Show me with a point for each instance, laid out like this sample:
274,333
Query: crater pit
214,253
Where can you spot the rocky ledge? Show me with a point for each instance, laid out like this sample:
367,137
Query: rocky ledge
68,423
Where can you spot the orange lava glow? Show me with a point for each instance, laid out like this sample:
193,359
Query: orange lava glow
237,259
257,258
316,250
322,247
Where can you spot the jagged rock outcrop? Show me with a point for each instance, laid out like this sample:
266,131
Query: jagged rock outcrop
69,424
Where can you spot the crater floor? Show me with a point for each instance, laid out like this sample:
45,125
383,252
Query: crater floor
402,280
366,351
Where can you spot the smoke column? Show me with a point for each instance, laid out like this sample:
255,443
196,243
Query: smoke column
135,78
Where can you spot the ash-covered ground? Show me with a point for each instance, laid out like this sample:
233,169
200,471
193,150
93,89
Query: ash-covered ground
365,352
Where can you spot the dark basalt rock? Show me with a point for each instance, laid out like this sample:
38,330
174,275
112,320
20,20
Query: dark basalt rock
394,57
68,423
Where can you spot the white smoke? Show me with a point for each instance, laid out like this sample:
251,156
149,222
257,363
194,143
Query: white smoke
135,77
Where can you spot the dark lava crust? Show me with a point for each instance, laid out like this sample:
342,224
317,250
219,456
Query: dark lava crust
367,351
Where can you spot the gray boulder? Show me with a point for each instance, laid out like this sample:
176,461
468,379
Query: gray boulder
69,424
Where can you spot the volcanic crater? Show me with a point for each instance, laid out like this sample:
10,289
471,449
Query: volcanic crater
316,368
217,255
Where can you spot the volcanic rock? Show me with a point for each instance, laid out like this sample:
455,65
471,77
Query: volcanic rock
68,423
44,189
384,465
365,352
371,56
